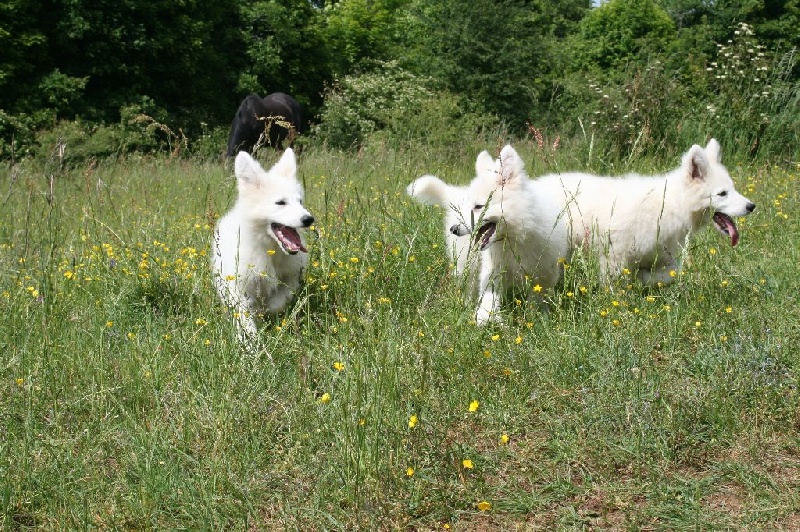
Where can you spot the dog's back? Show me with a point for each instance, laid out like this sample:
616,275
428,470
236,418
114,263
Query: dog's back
640,222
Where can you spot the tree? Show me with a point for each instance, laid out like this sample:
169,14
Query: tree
620,33
283,50
361,32
775,21
500,54
176,53
25,55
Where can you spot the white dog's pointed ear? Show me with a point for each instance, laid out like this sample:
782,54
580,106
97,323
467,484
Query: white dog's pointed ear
429,190
695,163
484,163
287,165
713,151
246,168
510,165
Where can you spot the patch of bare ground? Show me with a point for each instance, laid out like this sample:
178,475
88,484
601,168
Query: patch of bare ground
777,461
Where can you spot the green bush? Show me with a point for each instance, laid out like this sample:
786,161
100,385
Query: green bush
392,104
17,133
141,129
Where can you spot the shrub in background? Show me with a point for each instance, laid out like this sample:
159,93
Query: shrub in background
753,97
392,104
743,96
141,129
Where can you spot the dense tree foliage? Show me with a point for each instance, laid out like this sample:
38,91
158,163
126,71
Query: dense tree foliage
96,56
359,32
501,54
620,66
283,51
621,33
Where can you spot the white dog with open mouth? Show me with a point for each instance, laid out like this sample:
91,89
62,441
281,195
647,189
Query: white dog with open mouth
641,223
457,205
520,231
258,256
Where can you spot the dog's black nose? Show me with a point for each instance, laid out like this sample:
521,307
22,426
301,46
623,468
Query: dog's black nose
307,220
751,207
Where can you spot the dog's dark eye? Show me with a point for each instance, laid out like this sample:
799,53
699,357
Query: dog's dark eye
723,193
478,206
280,202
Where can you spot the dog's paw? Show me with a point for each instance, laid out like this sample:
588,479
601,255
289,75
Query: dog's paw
484,316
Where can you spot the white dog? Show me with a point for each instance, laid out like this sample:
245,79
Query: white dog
642,223
430,190
257,254
521,236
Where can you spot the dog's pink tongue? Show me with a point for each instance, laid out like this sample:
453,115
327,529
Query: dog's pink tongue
726,225
290,239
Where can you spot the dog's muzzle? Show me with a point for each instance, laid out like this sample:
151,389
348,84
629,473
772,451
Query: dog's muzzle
460,229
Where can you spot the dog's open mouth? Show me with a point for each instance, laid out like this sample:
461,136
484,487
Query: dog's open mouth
288,238
484,234
725,225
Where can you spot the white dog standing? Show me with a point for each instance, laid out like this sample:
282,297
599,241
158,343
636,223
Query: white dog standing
522,236
430,190
642,223
258,256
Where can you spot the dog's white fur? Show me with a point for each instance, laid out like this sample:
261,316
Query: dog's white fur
430,190
641,223
257,254
522,235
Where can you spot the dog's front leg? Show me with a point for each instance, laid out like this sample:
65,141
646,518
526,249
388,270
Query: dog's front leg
245,323
237,299
489,305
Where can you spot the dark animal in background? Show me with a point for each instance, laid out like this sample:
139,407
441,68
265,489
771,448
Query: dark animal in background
269,120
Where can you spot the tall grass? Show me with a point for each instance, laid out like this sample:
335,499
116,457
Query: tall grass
126,402
747,96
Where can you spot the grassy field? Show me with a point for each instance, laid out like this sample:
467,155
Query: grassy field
127,404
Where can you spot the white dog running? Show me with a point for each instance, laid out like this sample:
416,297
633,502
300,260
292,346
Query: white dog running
642,223
430,190
257,254
521,235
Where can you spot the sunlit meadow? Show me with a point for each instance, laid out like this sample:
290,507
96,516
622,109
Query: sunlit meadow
127,403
